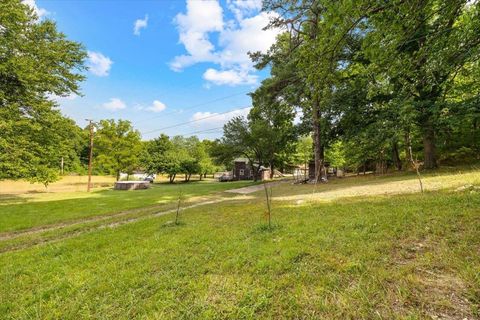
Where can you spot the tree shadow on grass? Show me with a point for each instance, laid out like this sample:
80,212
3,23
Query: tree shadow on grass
8,199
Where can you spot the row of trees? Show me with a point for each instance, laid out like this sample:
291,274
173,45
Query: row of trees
378,83
178,155
118,148
375,83
38,64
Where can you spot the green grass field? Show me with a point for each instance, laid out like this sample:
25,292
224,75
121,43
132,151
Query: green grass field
356,248
18,212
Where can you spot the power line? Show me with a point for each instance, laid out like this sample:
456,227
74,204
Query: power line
196,120
196,106
206,130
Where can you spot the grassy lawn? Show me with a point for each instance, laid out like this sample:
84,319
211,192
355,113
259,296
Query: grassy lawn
403,256
19,212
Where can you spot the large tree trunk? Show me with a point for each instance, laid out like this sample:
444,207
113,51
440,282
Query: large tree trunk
255,172
396,157
430,160
118,175
408,156
317,140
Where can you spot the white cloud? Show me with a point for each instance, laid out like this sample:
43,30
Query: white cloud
59,99
229,77
140,24
114,104
247,37
98,64
243,7
235,39
40,12
201,18
157,106
215,119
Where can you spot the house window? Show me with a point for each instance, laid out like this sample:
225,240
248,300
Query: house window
242,172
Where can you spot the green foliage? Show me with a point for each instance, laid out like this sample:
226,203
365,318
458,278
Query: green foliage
304,150
117,147
380,77
178,155
266,137
336,155
36,63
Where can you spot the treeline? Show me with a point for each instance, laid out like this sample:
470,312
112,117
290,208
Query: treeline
379,83
38,64
118,149
375,84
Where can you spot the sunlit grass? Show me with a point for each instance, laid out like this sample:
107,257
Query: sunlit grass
31,210
407,256
365,253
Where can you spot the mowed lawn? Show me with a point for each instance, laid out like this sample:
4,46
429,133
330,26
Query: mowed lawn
23,211
394,256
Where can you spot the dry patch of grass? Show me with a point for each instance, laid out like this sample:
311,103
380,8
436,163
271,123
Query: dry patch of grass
65,184
361,186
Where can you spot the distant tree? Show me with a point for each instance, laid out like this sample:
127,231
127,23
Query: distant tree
154,157
172,165
304,150
222,154
336,154
241,139
271,123
205,161
117,147
37,62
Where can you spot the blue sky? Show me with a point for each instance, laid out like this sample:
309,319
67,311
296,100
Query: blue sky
161,63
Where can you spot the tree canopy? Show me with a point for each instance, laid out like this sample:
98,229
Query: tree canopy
37,62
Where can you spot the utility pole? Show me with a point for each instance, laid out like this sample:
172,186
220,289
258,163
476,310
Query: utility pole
90,157
61,165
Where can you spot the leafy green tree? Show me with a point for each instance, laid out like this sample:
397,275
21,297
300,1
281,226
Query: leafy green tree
117,147
402,66
222,154
263,137
36,62
205,161
242,139
271,121
427,47
154,156
304,150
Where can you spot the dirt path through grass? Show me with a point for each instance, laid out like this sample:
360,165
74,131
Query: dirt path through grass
252,189
344,188
198,202
86,229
